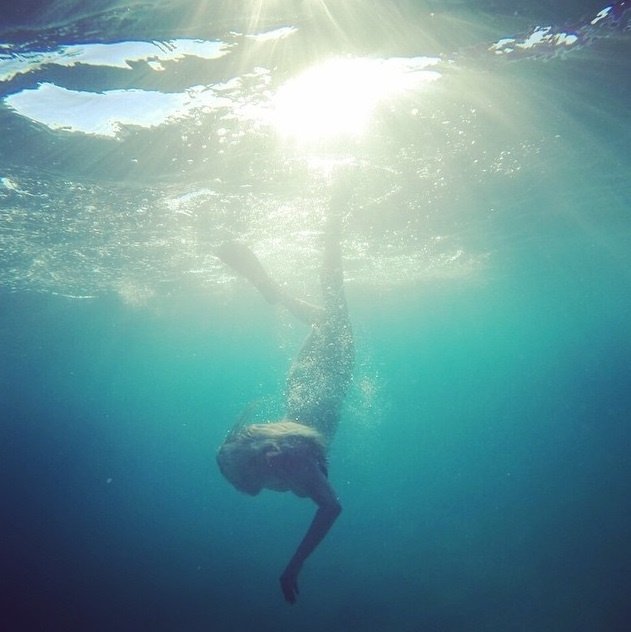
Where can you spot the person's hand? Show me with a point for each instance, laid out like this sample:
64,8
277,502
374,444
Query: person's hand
289,585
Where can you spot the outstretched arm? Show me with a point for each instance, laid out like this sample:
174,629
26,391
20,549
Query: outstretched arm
329,508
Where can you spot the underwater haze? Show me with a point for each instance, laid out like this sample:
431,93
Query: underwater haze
482,459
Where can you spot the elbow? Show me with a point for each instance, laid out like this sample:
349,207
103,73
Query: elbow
335,509
331,509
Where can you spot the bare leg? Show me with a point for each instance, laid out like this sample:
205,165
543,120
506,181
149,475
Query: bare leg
321,373
332,275
242,260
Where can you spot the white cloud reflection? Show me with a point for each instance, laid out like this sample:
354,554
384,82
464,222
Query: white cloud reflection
542,37
105,113
115,55
333,99
276,34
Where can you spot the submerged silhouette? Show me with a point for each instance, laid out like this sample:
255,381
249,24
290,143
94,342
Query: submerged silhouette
291,454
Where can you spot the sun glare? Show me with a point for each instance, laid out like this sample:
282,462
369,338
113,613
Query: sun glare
338,97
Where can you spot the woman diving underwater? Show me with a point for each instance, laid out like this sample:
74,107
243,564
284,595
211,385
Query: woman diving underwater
291,454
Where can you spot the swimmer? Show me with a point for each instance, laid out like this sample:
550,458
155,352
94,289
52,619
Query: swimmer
291,454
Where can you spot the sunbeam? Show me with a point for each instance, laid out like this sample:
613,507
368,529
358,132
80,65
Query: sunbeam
338,97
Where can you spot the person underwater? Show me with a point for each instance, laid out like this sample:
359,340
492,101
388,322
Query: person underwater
291,454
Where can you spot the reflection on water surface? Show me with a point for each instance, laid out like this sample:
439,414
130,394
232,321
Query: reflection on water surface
130,159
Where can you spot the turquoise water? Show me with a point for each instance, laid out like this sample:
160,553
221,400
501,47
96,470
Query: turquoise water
482,458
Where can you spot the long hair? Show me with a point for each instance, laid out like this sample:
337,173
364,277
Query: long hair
241,457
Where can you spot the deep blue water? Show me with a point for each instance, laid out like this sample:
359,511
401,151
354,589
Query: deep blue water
482,459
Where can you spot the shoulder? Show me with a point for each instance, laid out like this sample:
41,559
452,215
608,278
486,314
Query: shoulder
309,480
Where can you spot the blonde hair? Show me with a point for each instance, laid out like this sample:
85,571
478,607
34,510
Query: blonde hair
241,457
